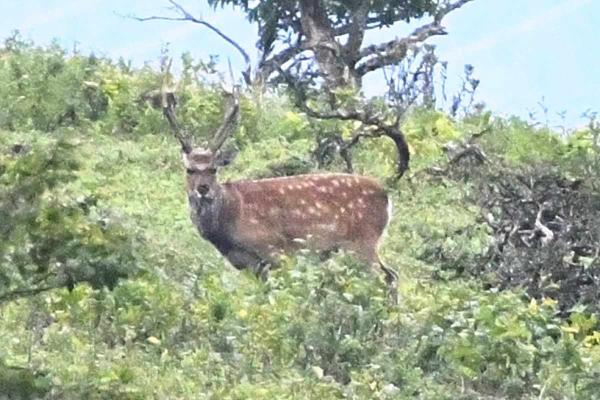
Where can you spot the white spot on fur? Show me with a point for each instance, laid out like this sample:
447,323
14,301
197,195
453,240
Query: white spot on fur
335,182
342,210
282,190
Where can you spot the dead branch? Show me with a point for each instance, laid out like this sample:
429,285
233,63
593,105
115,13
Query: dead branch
448,8
184,15
548,235
360,113
458,152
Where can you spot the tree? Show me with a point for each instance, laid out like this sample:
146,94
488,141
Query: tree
317,48
48,241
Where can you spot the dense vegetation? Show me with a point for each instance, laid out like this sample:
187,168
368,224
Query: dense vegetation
107,292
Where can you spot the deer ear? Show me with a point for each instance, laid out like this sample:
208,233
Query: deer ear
225,157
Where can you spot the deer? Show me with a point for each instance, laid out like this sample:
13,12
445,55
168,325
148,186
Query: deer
252,223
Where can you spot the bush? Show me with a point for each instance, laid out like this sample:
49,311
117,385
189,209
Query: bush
48,240
41,89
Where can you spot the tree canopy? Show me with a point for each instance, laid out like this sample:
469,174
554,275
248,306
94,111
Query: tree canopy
317,49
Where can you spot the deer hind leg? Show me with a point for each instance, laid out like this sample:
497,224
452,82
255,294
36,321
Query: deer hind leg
367,253
391,279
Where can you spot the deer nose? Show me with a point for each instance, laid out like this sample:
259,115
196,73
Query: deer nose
202,189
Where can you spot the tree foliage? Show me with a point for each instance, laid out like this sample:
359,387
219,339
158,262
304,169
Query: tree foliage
50,241
316,48
278,20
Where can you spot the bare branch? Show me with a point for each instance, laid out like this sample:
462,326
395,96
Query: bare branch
357,113
395,51
157,18
448,8
356,32
186,16
272,64
465,150
547,232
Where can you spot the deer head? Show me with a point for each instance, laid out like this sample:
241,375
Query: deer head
201,163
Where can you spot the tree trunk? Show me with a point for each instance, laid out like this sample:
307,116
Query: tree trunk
321,40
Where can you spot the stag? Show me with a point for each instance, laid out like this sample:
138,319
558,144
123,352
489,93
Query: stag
253,222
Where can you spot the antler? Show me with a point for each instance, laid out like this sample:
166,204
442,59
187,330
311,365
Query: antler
169,101
230,118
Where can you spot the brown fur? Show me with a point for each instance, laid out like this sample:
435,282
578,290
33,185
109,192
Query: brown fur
253,222
283,214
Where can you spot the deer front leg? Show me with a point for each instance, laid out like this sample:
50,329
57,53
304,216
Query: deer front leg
241,258
262,270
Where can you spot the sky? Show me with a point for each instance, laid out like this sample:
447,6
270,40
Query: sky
525,52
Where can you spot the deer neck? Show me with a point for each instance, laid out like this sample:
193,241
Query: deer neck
211,215
213,218
206,212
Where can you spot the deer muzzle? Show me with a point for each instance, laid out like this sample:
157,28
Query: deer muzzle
202,190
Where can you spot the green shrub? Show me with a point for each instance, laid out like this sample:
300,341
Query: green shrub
49,240
42,89
104,199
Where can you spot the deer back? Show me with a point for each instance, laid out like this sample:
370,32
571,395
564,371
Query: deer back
320,212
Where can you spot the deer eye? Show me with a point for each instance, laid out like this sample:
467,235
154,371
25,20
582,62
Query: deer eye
212,170
191,171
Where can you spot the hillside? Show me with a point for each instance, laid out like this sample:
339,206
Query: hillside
108,292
